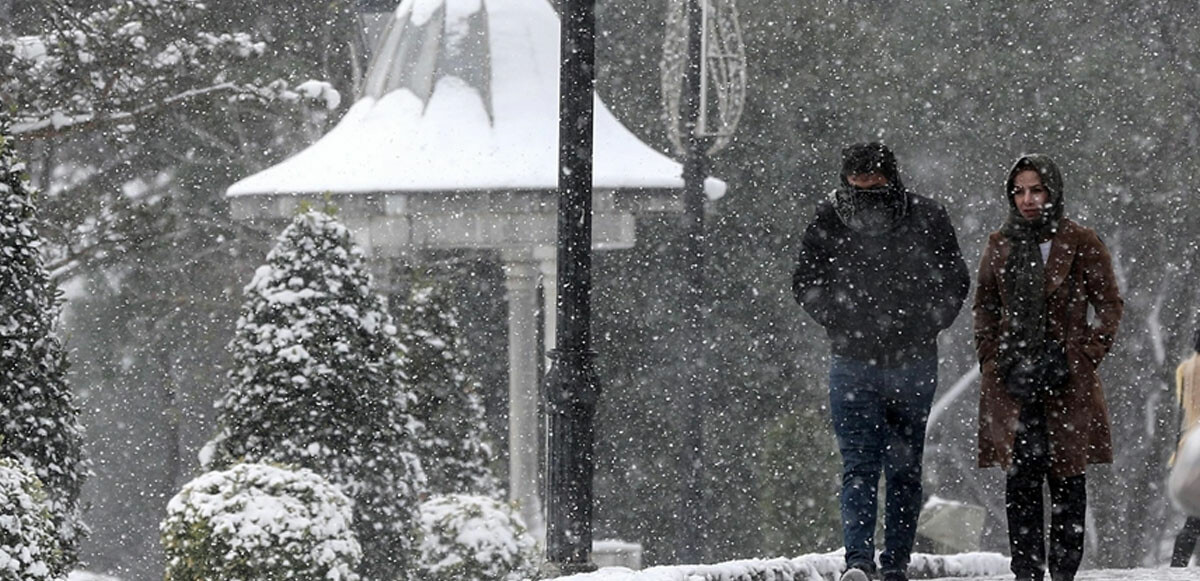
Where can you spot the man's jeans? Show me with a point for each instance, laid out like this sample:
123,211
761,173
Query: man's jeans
879,416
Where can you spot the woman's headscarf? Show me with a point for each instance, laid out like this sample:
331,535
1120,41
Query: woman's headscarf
1024,270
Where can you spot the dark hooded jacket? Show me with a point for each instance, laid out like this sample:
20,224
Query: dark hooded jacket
1077,275
882,297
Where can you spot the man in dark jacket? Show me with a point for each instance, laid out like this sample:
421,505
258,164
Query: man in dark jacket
881,270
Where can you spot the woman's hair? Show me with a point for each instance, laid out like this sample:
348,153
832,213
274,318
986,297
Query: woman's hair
1196,340
1023,164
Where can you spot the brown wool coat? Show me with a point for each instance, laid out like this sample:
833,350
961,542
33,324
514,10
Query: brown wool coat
1078,273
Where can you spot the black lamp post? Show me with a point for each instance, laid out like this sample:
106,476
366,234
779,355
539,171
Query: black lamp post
571,387
692,521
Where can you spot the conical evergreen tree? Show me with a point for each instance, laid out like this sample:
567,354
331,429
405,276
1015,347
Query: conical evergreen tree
318,384
38,419
454,452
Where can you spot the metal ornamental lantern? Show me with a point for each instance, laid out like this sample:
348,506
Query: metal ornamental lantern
722,92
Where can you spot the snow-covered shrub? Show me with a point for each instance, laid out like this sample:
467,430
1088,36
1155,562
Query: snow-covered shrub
474,538
38,420
29,548
453,451
257,521
318,383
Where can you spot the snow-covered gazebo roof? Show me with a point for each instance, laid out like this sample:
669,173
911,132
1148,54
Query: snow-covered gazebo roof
462,95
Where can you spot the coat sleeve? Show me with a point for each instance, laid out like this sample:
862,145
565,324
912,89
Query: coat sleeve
988,308
1100,283
1179,371
951,281
813,279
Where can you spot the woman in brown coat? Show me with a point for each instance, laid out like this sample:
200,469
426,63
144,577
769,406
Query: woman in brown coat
1042,414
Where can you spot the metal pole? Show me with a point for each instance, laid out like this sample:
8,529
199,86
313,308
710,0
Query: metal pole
571,386
692,520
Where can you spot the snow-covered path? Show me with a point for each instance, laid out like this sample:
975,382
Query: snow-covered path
1162,574
829,567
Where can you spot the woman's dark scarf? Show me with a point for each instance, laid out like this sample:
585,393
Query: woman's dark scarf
1024,278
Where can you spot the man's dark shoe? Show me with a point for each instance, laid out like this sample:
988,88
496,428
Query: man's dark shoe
895,576
855,574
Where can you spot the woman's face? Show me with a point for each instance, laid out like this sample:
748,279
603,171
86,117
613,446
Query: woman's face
1029,195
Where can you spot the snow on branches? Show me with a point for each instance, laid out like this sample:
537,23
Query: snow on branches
257,521
474,538
29,549
114,65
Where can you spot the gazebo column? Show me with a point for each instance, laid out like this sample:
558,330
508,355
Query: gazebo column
548,265
521,274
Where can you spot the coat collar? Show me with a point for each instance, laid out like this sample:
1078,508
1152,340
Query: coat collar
1063,248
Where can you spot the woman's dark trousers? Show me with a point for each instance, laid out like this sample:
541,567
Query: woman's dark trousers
1025,505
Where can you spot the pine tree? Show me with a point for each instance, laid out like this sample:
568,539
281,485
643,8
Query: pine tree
38,420
318,384
454,451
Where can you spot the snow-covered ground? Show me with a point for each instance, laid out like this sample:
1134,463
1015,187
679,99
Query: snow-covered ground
814,567
1161,574
828,567
85,576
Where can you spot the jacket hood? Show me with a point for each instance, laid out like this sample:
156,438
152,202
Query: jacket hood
873,157
1051,178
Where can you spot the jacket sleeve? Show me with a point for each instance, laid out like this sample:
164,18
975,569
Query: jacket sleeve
951,281
1100,283
1179,371
812,281
988,308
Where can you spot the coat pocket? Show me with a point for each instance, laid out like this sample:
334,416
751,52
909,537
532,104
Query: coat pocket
1080,364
